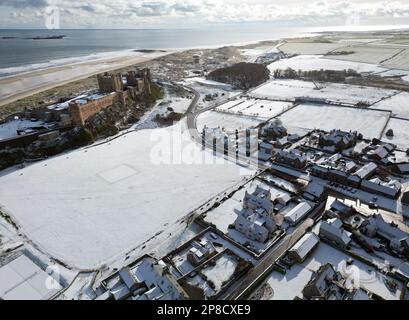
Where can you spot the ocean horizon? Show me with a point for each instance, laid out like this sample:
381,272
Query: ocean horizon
20,53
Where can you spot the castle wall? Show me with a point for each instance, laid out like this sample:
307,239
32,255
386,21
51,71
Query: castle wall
80,113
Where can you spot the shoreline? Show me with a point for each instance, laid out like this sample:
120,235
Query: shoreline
24,84
28,83
16,87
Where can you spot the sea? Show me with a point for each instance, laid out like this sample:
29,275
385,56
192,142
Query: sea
20,53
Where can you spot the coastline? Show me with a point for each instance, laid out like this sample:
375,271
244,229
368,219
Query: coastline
15,87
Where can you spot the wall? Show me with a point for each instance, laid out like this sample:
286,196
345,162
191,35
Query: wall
80,113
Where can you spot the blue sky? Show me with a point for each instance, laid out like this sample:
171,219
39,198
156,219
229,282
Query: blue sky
190,13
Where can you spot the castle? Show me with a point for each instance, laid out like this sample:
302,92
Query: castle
113,88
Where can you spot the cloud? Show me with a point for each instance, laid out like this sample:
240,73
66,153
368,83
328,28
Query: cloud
100,13
24,3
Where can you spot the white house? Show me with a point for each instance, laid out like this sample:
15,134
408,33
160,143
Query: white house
255,224
260,198
200,251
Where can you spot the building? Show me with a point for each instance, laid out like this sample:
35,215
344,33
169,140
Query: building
325,284
338,139
273,130
22,279
340,209
112,89
332,230
282,200
260,198
300,251
291,158
366,171
200,252
255,224
145,279
383,189
109,82
266,151
379,154
397,239
297,213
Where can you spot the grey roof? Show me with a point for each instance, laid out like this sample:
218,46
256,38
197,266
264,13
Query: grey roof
366,170
298,212
385,190
332,229
304,246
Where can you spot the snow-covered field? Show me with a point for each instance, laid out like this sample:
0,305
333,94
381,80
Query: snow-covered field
289,89
251,55
290,285
89,206
398,104
213,119
309,116
400,61
255,108
309,47
401,133
162,108
318,62
368,54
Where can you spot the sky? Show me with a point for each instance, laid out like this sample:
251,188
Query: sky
190,13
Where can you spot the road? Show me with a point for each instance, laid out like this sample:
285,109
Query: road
241,289
191,120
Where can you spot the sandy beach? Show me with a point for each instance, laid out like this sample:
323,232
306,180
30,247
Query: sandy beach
26,84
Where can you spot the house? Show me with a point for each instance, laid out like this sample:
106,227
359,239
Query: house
291,158
297,213
354,181
273,130
340,140
366,171
266,151
144,279
378,154
260,198
397,239
324,284
377,187
332,230
255,224
282,199
340,209
300,251
200,252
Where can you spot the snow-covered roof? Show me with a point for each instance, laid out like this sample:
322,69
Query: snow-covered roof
383,189
366,170
22,279
305,245
388,230
298,212
333,230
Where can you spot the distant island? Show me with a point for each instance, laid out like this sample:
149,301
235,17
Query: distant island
58,37
48,38
148,50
